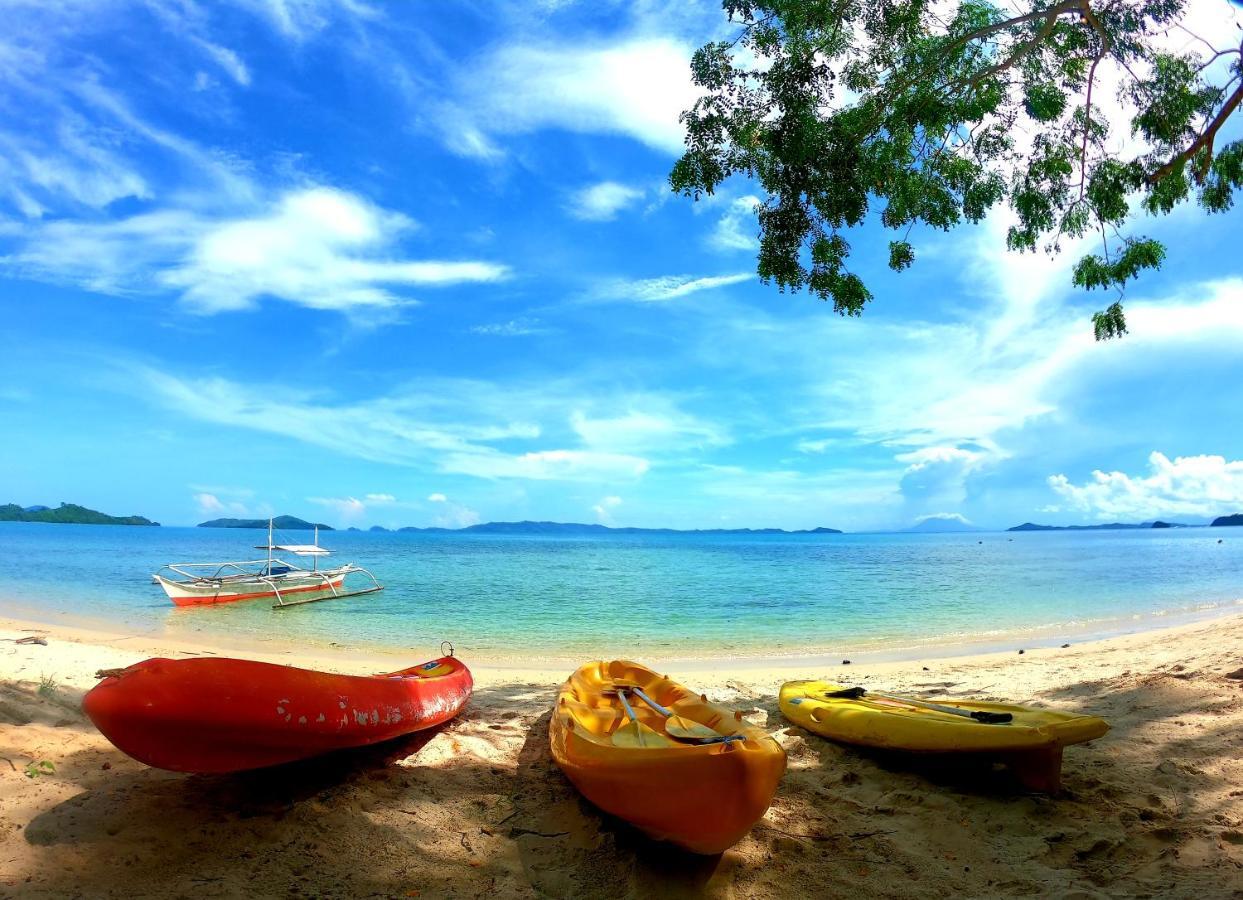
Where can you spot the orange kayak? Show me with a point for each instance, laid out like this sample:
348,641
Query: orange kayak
702,796
227,715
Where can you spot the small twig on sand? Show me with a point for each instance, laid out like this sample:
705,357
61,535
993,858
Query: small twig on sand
794,834
519,832
10,762
33,639
860,835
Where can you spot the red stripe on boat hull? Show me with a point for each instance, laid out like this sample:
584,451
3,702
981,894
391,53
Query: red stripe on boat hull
233,598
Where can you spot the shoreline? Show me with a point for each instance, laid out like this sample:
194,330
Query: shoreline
478,807
118,645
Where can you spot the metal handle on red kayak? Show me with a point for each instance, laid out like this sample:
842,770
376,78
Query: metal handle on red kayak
444,644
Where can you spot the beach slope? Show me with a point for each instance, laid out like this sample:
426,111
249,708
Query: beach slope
477,808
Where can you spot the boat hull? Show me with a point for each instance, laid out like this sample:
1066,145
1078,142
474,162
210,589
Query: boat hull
229,715
1031,742
191,593
702,797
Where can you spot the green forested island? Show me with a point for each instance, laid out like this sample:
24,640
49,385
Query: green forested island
285,523
67,514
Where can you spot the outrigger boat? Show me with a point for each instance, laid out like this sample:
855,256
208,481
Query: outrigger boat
195,584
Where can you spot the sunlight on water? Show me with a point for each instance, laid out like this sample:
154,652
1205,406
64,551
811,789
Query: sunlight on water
658,594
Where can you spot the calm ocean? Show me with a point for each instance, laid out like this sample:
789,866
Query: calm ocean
661,595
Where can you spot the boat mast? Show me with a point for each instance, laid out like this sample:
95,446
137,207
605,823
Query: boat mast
269,569
315,556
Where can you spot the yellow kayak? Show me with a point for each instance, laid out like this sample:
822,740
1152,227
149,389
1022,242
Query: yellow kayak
703,794
1030,740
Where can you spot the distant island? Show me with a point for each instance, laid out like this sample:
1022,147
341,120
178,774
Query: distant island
1112,526
1236,519
67,514
579,528
285,523
942,525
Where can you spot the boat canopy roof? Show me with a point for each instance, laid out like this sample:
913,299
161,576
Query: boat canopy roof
299,549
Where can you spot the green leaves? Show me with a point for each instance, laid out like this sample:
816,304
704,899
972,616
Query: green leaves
1137,254
900,255
1110,323
838,108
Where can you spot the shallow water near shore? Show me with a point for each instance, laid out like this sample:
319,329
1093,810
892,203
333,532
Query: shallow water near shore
673,596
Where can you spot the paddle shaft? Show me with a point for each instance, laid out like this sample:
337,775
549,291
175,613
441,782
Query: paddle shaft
621,695
652,703
668,714
981,716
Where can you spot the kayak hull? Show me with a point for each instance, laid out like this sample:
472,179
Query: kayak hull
1032,742
230,715
702,797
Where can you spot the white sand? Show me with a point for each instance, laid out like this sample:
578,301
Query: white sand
477,808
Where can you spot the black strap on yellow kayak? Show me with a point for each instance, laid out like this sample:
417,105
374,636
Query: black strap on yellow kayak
982,716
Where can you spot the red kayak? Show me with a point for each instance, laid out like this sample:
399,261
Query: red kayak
226,715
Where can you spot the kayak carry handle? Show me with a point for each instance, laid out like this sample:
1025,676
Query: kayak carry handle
991,718
444,644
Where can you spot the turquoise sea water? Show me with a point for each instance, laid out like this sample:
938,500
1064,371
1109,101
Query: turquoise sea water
663,595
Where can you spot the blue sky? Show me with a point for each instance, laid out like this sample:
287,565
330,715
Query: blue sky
418,264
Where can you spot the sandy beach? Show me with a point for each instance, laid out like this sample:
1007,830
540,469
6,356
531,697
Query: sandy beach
477,808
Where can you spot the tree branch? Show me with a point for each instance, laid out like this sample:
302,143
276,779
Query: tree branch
1204,140
1106,47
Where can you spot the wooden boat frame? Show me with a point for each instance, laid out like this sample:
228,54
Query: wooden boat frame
224,575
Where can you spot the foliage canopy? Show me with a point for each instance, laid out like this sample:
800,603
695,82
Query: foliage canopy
934,113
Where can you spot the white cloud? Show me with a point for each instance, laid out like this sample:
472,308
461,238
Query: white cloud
944,517
1188,486
736,229
424,428
211,505
380,498
349,508
639,430
300,20
455,515
604,509
602,202
637,87
512,328
227,59
669,287
437,498
548,465
316,247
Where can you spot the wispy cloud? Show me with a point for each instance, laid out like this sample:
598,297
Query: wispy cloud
512,328
736,228
668,287
424,429
299,20
602,202
642,430
637,87
351,509
316,247
450,514
604,509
